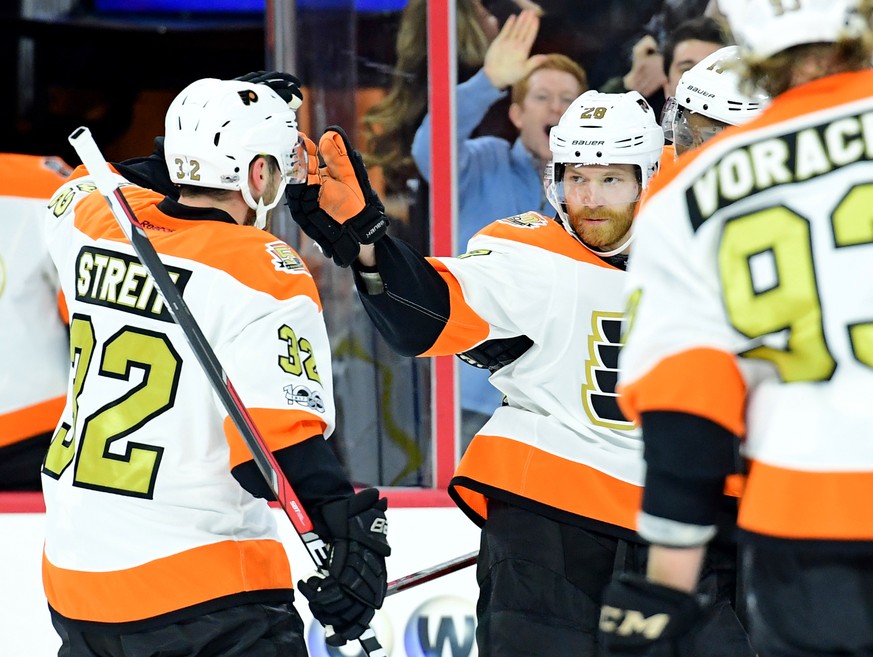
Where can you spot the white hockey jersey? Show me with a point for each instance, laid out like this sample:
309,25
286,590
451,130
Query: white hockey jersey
33,336
560,440
143,514
751,305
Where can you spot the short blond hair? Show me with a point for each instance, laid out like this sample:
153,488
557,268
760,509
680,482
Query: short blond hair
777,73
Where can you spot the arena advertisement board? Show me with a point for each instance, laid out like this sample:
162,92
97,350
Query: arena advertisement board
435,619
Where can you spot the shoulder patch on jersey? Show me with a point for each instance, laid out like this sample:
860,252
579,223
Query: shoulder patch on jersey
305,397
285,259
475,252
63,198
525,220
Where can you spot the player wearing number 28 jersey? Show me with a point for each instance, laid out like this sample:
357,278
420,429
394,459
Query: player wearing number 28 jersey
554,476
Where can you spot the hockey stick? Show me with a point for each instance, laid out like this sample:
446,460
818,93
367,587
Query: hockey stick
432,573
107,184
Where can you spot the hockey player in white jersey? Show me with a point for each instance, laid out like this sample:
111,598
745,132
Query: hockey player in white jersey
33,333
158,536
553,476
709,98
751,304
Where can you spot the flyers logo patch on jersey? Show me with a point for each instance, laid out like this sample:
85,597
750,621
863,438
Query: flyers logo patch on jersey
526,220
599,398
284,258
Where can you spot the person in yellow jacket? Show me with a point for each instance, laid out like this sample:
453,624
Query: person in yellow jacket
33,333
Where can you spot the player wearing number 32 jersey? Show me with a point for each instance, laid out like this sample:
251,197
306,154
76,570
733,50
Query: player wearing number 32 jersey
156,531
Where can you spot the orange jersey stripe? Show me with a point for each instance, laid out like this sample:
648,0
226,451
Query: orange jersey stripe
550,237
672,386
62,308
31,176
280,428
543,477
465,329
734,485
30,421
807,505
168,584
168,237
824,94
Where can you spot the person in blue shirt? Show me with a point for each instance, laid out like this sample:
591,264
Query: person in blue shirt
497,178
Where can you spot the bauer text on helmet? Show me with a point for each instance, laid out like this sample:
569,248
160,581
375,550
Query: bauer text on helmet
709,97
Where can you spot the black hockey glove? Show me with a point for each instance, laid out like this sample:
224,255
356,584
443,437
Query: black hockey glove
284,84
354,586
341,211
150,172
638,614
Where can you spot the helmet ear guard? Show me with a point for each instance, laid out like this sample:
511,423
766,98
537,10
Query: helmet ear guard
214,129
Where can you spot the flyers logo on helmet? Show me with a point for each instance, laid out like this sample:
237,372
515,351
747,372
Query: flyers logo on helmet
248,97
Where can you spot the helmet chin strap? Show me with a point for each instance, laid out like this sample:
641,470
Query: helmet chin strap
260,215
259,207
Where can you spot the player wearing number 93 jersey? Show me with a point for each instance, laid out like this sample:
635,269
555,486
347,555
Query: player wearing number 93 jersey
751,314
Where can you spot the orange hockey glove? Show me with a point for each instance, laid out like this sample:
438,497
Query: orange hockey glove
342,211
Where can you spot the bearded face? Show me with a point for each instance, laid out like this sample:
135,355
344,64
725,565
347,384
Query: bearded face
601,201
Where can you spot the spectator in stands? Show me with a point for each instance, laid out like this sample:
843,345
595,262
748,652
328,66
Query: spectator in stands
690,42
389,126
497,178
656,69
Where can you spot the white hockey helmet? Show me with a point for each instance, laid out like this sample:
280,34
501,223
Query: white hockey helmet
763,27
603,129
215,128
711,88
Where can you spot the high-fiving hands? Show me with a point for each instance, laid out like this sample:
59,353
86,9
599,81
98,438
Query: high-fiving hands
337,207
